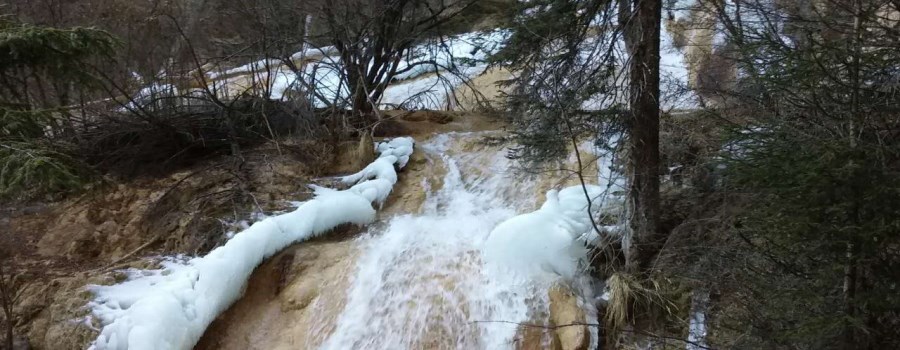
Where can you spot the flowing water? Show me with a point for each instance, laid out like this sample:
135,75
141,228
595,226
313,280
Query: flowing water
417,279
421,282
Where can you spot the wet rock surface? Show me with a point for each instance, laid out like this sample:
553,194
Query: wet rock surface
568,319
305,282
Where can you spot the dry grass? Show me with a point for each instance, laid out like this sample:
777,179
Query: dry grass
647,300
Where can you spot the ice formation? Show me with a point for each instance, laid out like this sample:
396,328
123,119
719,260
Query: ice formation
546,242
171,307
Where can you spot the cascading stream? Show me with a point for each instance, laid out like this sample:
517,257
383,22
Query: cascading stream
421,280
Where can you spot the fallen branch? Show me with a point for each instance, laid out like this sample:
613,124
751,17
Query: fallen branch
117,263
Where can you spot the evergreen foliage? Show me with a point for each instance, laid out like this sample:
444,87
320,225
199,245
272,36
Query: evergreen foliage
565,57
31,168
791,219
52,49
810,197
33,160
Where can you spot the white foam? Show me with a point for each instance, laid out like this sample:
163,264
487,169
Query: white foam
422,280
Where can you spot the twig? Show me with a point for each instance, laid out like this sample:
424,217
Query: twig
116,263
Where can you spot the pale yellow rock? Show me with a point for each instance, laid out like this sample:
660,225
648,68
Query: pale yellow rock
365,151
565,314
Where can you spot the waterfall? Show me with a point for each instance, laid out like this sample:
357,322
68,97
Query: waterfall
421,282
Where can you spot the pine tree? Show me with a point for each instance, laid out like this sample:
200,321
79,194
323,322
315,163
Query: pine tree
566,51
807,257
33,59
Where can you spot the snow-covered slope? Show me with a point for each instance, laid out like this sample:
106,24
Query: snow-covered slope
425,81
171,307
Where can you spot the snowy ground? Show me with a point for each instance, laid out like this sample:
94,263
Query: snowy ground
451,61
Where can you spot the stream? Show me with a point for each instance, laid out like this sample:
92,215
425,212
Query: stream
417,278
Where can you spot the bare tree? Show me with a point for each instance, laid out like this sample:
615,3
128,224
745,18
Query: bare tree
374,39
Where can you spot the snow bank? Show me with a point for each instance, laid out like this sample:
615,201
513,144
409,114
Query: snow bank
274,63
430,86
432,91
546,242
315,53
170,308
464,49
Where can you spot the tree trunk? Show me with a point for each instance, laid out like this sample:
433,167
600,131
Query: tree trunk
6,306
851,271
193,14
624,18
851,274
361,103
643,141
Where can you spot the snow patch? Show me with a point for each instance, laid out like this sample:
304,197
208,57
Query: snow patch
697,328
546,242
171,307
376,180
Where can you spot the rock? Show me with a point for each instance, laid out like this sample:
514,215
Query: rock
365,151
417,158
20,343
108,228
413,117
564,311
440,118
302,314
300,295
353,156
436,117
82,248
59,322
532,338
390,128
